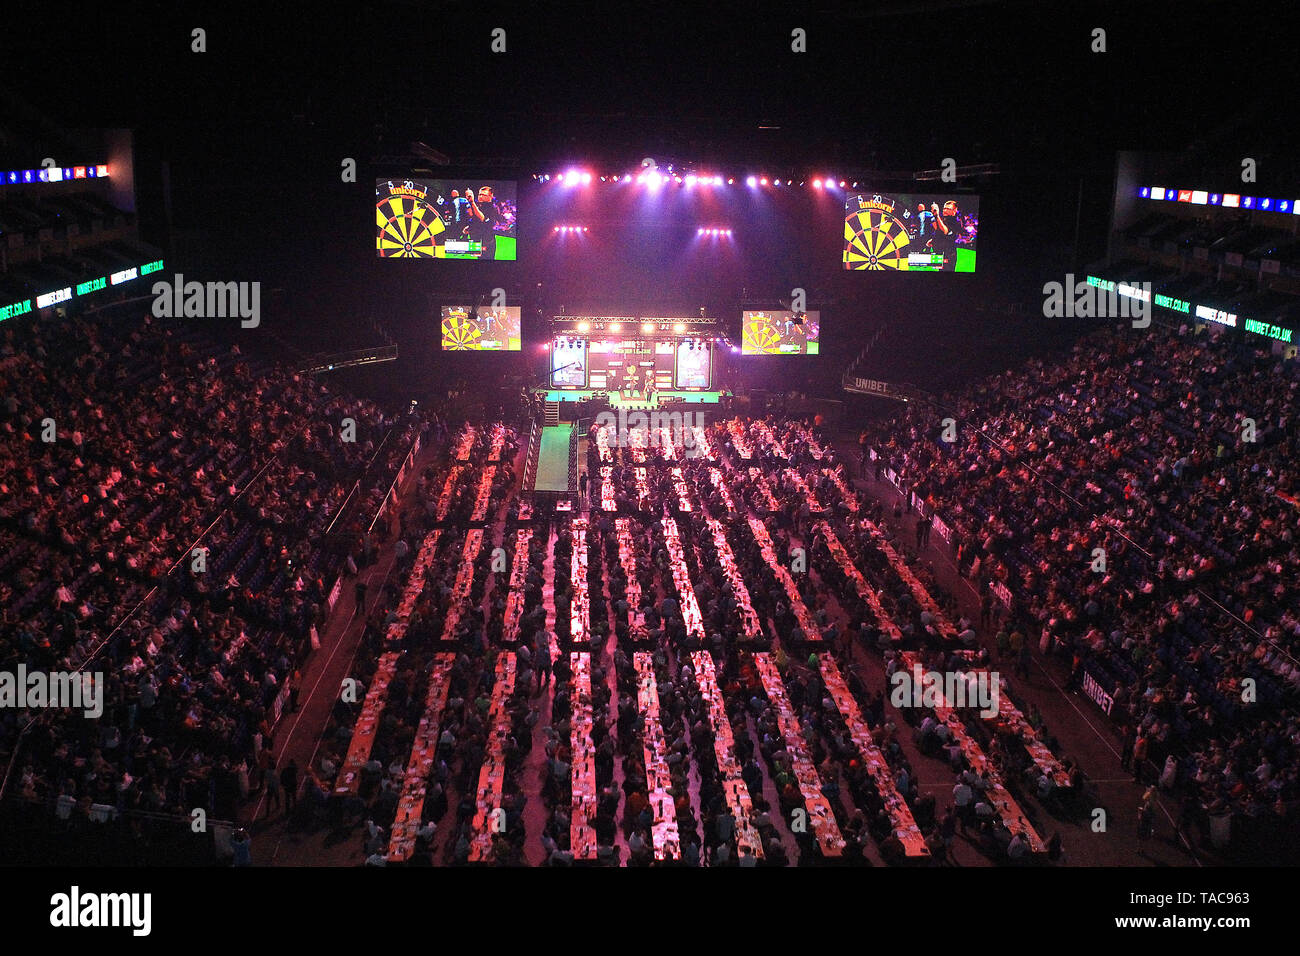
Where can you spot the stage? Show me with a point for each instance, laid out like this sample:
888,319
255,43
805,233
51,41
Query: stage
617,401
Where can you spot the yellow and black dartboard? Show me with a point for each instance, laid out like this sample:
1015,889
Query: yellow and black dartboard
460,333
759,335
874,239
407,226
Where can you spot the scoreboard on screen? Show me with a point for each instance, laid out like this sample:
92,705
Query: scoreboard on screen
910,233
632,368
440,219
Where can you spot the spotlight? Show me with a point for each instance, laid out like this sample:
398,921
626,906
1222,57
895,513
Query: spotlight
751,182
763,181
616,326
731,182
690,180
647,327
557,228
841,184
586,178
679,328
817,184
717,180
776,182
584,326
572,178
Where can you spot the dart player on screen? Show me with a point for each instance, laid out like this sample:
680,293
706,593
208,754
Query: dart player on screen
947,228
483,216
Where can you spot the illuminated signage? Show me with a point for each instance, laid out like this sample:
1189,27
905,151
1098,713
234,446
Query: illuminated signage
1168,302
1268,331
52,174
94,285
1184,195
126,275
1231,200
149,267
1200,197
1210,314
18,308
53,298
1134,292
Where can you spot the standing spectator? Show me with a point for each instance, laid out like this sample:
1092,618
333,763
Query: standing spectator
289,780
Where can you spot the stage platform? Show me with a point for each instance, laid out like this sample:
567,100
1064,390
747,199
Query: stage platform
616,401
553,459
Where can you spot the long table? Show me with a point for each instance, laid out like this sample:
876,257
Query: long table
690,606
724,751
491,776
1013,818
665,837
464,580
580,604
750,626
627,558
583,808
820,815
514,610
864,589
484,494
410,805
363,733
900,814
679,485
720,483
800,610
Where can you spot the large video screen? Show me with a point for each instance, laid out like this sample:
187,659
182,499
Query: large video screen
569,363
694,365
631,368
445,219
911,233
780,333
466,329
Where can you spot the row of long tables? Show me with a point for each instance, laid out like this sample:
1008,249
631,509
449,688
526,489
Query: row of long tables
923,598
607,501
580,603
679,486
498,442
792,475
715,476
464,580
800,610
466,443
739,440
900,814
769,500
627,558
664,833
734,788
491,778
414,586
363,733
690,606
583,794
1013,818
820,815
750,626
514,609
850,499
864,589
410,805
484,495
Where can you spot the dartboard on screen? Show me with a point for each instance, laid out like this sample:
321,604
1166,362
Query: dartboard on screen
406,225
